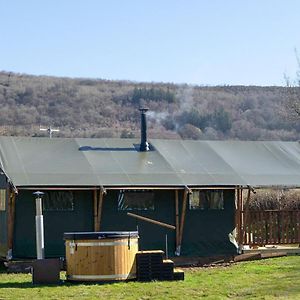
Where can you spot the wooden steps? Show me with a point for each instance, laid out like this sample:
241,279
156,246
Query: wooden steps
150,266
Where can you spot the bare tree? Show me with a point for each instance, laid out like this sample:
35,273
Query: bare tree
292,96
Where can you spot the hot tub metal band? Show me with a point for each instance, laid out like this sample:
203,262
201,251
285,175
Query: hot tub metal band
101,277
73,245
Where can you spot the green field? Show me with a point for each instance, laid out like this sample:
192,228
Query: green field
277,278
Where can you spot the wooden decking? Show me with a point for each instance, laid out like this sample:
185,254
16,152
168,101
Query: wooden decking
288,249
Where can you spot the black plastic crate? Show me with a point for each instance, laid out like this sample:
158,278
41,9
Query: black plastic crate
144,279
149,260
169,276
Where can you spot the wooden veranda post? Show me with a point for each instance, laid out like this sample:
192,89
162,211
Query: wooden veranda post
246,217
237,219
102,192
98,204
239,215
177,218
95,197
183,211
11,220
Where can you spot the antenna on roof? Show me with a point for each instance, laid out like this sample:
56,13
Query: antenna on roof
50,130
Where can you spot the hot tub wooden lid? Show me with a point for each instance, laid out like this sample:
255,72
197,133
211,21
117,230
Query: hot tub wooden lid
100,235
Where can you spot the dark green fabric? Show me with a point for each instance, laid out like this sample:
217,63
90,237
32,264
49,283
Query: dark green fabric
55,224
206,231
3,222
152,236
116,162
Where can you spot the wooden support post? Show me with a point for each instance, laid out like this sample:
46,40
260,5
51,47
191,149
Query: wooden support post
95,197
177,218
11,220
237,214
246,216
240,216
183,211
102,192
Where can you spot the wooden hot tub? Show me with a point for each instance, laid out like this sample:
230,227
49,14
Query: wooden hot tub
101,256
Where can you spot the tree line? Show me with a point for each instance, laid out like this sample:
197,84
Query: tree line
105,108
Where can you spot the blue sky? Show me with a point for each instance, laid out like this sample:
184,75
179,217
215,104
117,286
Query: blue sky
201,42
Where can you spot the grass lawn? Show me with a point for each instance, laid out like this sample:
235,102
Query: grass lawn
277,278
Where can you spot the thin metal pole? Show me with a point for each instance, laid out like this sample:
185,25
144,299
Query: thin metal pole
167,256
39,224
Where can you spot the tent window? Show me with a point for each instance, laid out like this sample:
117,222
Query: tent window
136,200
58,201
2,200
208,199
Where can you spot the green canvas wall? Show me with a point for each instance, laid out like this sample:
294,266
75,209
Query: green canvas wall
205,231
3,221
55,224
151,236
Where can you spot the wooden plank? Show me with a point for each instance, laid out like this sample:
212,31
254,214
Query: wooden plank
262,228
247,257
136,188
183,212
270,227
31,188
285,228
170,188
177,218
199,188
151,221
273,254
293,228
58,188
278,240
288,226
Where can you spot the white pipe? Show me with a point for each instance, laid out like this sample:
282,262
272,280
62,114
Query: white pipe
39,227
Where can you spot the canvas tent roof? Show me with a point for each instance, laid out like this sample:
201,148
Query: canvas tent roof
116,162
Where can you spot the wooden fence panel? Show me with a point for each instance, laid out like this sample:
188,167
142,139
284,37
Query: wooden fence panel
271,227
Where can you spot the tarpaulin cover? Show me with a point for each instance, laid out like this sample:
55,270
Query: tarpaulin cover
117,162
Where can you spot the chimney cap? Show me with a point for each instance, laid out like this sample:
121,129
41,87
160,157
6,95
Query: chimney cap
143,109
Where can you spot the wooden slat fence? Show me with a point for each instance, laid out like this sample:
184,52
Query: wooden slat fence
270,227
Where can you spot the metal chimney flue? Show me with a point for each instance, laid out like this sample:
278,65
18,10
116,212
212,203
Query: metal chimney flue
144,146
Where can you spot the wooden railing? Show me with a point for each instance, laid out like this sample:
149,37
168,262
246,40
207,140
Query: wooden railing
270,227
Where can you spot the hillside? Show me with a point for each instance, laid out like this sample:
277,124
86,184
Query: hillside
102,108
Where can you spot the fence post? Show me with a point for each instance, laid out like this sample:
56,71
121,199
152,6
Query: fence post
278,224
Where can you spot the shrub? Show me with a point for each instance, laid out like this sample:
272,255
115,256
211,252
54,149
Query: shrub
267,199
